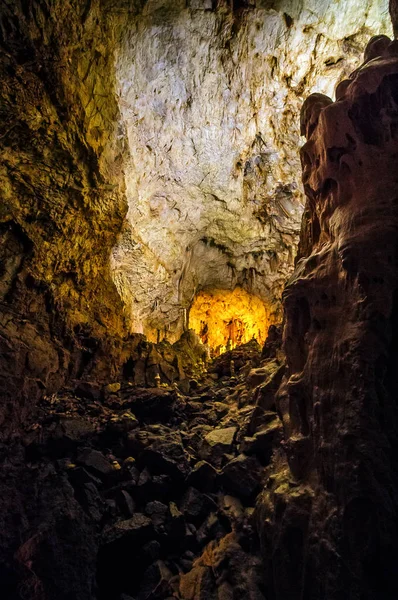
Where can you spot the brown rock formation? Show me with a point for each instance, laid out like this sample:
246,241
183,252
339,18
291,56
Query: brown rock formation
62,205
394,15
330,516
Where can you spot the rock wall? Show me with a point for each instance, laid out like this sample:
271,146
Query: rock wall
329,516
62,199
209,94
394,15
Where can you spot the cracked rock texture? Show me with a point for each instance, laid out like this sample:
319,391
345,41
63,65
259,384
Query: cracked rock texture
335,501
62,201
209,97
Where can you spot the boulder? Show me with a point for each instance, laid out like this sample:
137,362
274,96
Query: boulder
202,476
79,476
242,476
121,424
158,512
125,503
112,388
91,501
138,528
154,404
195,505
166,455
156,582
69,433
95,462
153,486
216,444
210,528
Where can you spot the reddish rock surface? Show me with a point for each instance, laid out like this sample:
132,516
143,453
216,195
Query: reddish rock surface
329,520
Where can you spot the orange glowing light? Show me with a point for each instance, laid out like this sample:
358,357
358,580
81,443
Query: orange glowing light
224,319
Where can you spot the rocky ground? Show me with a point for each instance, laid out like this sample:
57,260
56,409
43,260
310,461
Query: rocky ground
144,493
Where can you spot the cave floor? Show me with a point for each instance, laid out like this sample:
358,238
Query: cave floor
152,490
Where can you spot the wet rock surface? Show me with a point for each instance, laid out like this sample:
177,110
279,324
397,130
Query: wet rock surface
164,507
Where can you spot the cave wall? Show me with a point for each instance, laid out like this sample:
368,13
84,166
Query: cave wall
62,196
394,15
329,516
209,93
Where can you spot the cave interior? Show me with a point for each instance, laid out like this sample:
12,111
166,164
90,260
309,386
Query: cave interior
198,299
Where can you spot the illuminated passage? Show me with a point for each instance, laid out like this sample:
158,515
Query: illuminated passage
225,319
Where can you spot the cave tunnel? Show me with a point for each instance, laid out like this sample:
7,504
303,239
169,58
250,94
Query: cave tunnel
198,283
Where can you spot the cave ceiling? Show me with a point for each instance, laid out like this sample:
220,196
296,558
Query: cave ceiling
209,99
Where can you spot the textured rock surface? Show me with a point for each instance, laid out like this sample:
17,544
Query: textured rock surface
210,97
61,195
329,518
394,15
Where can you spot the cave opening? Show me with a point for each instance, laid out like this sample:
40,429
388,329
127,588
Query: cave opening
225,319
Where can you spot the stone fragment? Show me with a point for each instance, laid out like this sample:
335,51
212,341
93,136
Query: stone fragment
111,508
154,404
183,386
69,433
158,512
193,505
156,486
79,476
202,476
91,501
209,529
166,456
139,527
122,424
242,476
266,439
216,444
220,408
156,582
96,462
132,473
126,503
257,376
232,508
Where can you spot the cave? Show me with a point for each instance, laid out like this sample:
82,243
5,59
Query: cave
198,299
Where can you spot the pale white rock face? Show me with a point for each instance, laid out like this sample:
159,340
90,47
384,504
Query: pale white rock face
210,101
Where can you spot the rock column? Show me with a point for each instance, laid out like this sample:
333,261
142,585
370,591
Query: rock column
329,517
